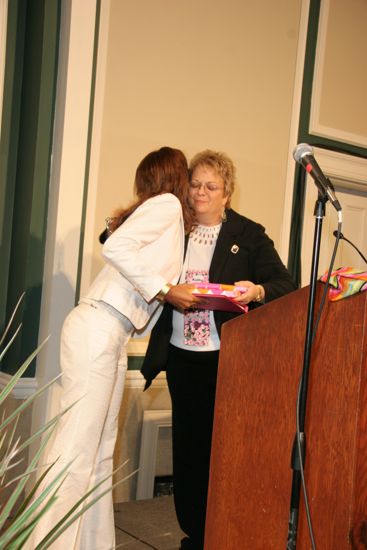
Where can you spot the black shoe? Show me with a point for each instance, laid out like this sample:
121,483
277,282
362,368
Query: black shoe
189,544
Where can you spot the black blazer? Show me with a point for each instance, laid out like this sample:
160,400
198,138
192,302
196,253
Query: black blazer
243,252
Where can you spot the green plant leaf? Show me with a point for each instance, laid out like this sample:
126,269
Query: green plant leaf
11,319
32,491
6,462
14,379
42,429
21,484
64,523
26,403
19,538
50,424
40,498
20,523
10,342
17,542
12,434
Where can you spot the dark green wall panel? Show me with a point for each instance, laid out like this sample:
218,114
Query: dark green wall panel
30,81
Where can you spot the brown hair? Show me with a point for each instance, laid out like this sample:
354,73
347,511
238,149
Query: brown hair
221,164
161,171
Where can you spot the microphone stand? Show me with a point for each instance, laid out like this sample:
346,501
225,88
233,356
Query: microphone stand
299,445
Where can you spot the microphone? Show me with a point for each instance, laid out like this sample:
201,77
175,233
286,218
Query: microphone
341,236
303,154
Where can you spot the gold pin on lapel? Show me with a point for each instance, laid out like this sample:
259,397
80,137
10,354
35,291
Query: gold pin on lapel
235,249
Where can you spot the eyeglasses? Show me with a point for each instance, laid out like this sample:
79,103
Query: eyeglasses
211,187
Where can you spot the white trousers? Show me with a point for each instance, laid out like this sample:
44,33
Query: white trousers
93,362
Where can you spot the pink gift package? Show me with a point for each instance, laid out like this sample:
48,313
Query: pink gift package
219,296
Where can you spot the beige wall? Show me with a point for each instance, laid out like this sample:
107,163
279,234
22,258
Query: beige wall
193,75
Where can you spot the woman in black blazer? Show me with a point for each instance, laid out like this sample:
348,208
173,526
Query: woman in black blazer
224,247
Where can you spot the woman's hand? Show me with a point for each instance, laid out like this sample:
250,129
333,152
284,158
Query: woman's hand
254,293
181,296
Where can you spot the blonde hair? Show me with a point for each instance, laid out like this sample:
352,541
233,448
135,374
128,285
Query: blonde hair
221,164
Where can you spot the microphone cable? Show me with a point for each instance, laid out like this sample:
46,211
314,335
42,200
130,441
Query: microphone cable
339,235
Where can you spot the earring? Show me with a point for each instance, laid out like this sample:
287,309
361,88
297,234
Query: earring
109,225
224,216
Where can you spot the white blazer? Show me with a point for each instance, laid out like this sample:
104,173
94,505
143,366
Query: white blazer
143,254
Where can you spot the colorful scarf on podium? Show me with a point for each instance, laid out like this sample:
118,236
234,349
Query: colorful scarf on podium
345,282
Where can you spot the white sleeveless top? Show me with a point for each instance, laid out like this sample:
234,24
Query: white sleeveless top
195,330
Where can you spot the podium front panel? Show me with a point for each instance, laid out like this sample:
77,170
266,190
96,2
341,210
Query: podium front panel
260,366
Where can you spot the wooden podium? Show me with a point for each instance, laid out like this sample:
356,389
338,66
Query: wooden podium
260,365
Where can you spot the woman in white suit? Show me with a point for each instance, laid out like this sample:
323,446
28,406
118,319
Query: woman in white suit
143,254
